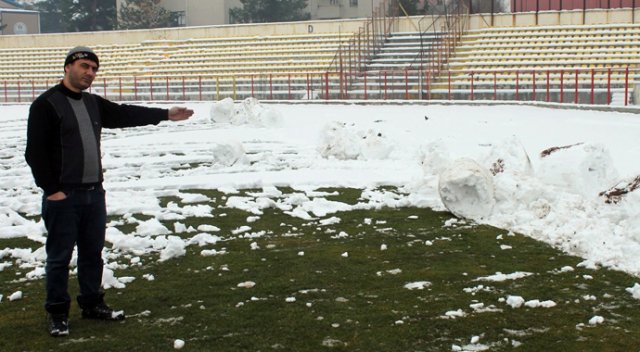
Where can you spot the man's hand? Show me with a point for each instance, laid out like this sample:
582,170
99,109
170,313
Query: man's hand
179,113
57,196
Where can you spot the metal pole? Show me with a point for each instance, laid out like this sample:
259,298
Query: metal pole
449,75
428,76
365,85
517,85
609,86
184,89
471,85
385,85
591,99
548,88
326,85
626,87
575,98
562,86
534,85
495,86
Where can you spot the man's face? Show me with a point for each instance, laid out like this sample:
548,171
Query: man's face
80,74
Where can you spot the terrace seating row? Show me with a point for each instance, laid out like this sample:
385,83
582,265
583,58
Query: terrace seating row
190,57
557,47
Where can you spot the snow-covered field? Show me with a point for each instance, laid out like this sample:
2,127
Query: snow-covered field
479,162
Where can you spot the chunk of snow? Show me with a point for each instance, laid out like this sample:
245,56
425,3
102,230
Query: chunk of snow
499,277
15,296
466,189
247,284
175,247
455,313
596,320
178,344
418,285
515,301
634,290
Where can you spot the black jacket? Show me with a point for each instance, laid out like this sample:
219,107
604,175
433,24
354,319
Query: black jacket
54,147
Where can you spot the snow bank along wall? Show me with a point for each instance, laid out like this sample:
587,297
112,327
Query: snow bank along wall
406,24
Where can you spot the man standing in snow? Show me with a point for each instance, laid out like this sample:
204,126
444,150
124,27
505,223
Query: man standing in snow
63,151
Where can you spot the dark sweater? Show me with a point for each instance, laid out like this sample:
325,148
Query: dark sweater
54,143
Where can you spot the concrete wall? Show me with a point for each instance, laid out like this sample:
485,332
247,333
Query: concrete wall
405,24
136,36
554,18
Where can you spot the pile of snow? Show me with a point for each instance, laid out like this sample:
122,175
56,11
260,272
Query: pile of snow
584,169
434,157
466,189
229,154
14,225
508,156
347,142
247,112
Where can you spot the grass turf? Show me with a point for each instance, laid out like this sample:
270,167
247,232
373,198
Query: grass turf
311,296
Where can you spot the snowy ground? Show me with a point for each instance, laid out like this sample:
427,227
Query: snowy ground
440,157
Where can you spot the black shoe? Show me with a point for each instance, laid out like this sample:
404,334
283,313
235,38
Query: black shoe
102,312
58,324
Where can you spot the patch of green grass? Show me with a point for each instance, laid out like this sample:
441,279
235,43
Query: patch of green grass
311,296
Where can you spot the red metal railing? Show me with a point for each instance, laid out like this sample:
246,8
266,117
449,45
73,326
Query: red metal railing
571,86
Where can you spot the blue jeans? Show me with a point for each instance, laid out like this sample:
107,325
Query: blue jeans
80,219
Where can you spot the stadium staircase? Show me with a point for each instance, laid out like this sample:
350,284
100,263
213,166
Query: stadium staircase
389,71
